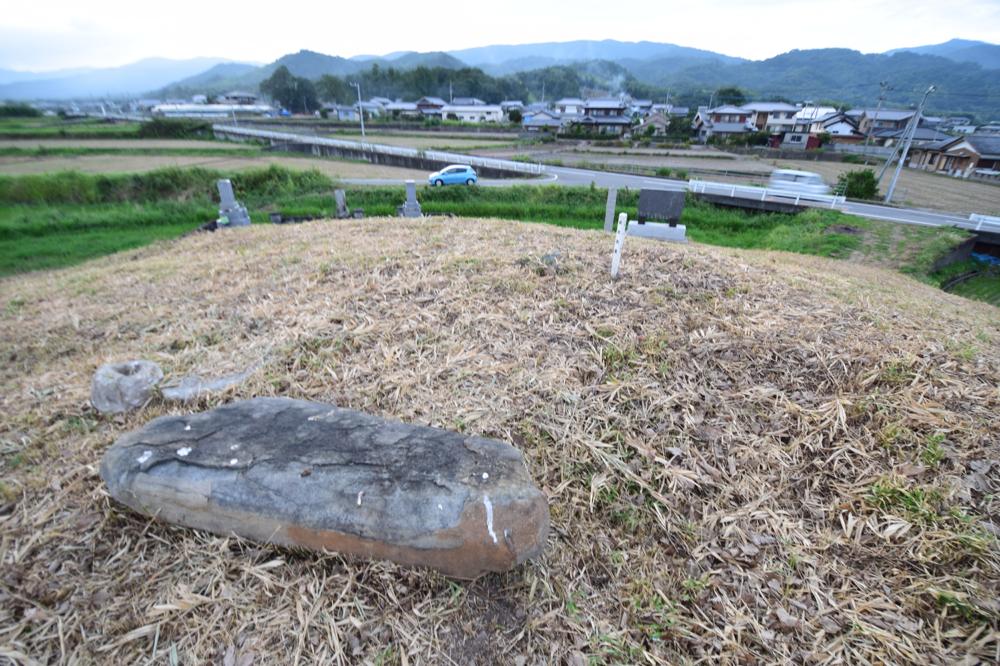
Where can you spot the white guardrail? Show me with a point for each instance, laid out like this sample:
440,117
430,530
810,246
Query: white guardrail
761,193
451,158
983,223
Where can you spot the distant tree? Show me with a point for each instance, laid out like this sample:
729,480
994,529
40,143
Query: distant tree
294,93
334,89
730,95
19,111
515,116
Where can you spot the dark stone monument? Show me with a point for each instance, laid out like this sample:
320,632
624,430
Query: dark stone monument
307,474
661,206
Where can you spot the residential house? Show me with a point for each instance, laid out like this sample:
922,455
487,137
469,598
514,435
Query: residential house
237,97
841,128
430,107
381,101
509,105
542,121
605,115
771,117
343,112
802,134
658,121
570,106
872,120
467,101
669,110
726,120
921,136
964,156
473,113
640,107
402,110
370,109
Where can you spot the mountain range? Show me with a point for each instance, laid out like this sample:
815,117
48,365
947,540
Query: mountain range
966,72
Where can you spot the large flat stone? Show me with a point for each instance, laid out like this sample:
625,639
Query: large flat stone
307,474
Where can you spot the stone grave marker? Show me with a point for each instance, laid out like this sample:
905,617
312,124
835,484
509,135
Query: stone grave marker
609,210
316,476
231,212
665,206
343,211
412,207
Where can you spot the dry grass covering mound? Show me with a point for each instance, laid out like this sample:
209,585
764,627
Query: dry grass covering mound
749,456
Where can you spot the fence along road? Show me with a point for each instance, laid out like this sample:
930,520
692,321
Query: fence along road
571,176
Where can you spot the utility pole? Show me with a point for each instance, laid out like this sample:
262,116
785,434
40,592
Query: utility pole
883,89
361,110
915,122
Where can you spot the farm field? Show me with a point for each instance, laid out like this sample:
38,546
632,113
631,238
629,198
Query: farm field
19,165
784,450
916,189
919,189
123,144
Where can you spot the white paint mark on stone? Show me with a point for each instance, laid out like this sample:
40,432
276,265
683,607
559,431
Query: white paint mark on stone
234,447
146,455
361,494
187,427
184,451
440,508
233,461
489,517
485,476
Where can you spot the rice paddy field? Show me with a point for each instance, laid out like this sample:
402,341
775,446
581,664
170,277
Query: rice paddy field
749,456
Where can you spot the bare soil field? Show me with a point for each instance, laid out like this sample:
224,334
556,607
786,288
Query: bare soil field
749,457
142,163
917,188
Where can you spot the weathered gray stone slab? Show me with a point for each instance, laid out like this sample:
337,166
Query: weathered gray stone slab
609,209
411,208
340,197
231,212
120,387
308,474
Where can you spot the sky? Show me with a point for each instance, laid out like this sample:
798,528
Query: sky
64,34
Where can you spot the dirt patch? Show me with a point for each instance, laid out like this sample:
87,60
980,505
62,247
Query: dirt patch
749,457
843,229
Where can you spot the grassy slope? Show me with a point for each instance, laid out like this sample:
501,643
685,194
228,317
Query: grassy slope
764,447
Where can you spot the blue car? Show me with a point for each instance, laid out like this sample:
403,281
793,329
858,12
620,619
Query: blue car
456,174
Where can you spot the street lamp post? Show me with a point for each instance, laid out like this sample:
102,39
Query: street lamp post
361,111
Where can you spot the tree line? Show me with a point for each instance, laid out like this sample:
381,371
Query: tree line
302,95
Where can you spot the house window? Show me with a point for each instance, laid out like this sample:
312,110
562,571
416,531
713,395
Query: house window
795,138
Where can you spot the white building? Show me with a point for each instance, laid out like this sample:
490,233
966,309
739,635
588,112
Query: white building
210,110
479,113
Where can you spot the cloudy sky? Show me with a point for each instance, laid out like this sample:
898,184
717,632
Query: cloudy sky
56,34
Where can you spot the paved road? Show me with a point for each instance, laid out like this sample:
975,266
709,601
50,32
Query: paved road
604,179
567,176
